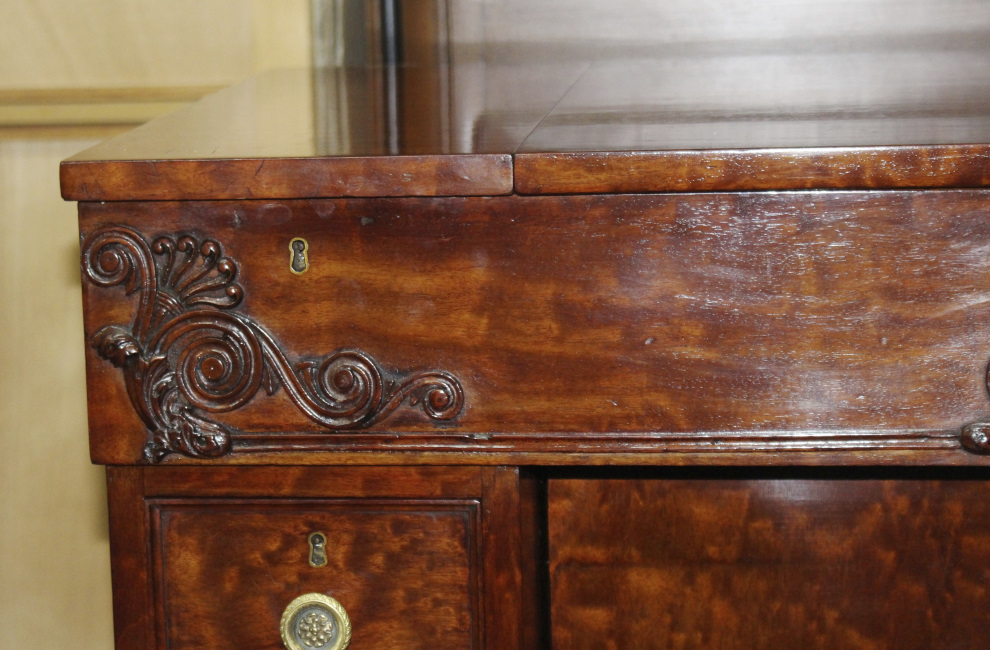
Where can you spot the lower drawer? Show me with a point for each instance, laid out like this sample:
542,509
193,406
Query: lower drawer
415,557
403,570
691,560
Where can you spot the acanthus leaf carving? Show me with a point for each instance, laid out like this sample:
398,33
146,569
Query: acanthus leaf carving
188,354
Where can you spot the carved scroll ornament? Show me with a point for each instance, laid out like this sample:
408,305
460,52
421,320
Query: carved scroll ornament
187,354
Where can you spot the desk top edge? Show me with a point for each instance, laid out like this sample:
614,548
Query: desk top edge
637,125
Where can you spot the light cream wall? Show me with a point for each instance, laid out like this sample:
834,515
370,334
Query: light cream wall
54,557
57,60
113,43
127,61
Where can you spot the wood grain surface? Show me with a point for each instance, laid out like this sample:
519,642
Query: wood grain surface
723,561
133,594
705,322
289,178
304,482
420,557
942,166
403,570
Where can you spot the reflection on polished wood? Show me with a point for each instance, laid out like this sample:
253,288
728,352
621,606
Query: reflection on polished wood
419,557
598,325
915,118
730,560
593,247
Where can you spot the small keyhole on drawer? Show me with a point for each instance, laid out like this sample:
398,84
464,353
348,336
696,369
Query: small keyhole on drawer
299,255
317,549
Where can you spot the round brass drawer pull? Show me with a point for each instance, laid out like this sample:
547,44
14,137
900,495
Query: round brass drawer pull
315,622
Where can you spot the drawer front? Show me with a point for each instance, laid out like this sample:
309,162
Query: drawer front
534,329
760,563
404,571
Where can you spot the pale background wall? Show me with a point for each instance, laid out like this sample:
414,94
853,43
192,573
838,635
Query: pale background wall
72,73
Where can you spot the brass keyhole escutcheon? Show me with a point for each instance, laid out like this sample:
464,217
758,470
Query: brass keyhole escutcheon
298,256
317,549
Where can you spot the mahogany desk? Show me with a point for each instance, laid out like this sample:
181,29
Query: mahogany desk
685,353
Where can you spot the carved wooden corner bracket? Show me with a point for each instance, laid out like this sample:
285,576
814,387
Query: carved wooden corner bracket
187,354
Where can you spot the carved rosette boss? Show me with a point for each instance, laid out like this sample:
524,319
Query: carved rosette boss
188,355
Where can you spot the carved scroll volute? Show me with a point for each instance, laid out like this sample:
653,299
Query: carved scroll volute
187,354
976,437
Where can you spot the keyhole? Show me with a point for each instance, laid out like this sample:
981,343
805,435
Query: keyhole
299,256
317,549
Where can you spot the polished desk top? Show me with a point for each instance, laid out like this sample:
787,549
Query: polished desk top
833,322
911,116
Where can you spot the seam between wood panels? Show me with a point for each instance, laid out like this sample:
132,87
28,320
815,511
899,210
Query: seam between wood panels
549,112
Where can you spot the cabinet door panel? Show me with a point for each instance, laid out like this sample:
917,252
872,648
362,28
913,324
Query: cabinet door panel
768,563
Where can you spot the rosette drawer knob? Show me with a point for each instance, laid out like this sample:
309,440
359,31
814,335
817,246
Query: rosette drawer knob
315,622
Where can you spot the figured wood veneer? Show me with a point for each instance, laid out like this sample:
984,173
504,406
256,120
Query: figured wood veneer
636,324
418,556
730,560
405,571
